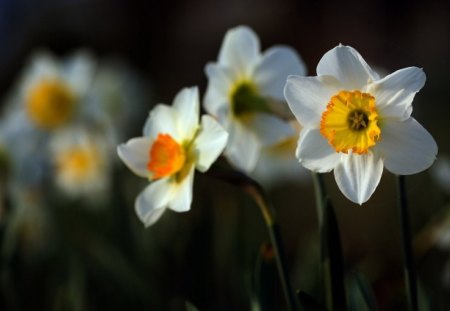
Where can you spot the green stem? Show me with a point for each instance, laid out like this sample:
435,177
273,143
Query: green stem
320,193
410,272
268,213
275,239
332,268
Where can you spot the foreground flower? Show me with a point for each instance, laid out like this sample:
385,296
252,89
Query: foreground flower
245,93
354,122
173,145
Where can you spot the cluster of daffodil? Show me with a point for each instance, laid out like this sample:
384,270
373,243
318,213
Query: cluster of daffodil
264,114
62,122
350,120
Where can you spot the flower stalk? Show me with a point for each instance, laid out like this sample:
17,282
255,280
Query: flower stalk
408,259
320,194
332,265
258,195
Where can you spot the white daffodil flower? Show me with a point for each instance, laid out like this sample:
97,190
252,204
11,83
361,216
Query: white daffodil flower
50,90
81,161
245,93
173,145
278,165
354,122
441,173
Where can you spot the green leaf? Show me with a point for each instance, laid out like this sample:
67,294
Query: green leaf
190,306
360,294
265,278
332,262
308,303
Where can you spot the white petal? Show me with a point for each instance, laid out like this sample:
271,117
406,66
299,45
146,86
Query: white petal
240,50
268,128
135,154
243,147
308,97
162,119
394,94
357,176
347,65
276,65
152,202
407,148
78,71
186,103
42,65
277,165
182,198
315,153
220,82
210,143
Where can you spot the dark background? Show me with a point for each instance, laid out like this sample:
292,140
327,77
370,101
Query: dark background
169,43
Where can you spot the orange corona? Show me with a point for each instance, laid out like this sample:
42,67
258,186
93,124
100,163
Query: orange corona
350,122
167,157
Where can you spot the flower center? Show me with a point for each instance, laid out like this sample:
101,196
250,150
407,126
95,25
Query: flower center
350,122
167,157
78,163
245,99
50,104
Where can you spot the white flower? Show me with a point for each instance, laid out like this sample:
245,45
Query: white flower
354,122
49,96
50,91
245,89
277,163
174,143
441,172
119,95
81,160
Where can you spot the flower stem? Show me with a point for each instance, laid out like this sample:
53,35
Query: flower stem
320,193
410,272
332,267
275,239
268,213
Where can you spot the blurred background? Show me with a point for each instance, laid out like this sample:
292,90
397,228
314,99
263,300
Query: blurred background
69,256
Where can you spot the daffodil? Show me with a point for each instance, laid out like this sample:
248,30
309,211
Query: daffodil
172,146
50,91
277,163
81,161
120,95
355,122
245,93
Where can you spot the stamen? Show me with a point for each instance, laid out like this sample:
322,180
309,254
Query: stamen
358,120
245,99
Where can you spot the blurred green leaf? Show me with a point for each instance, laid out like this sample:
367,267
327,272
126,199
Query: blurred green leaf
266,279
360,295
309,303
190,307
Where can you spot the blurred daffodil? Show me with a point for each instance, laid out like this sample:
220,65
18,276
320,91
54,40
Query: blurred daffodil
441,173
172,146
277,163
354,122
245,93
51,91
81,161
